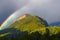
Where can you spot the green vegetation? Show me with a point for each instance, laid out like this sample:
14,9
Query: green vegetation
41,33
30,28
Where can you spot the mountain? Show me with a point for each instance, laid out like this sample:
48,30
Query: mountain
29,27
29,20
55,24
23,23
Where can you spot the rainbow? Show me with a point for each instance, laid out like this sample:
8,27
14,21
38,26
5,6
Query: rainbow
5,22
9,20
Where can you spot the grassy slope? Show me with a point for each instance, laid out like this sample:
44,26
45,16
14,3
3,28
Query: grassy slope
32,24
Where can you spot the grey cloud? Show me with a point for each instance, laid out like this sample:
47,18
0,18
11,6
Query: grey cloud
47,9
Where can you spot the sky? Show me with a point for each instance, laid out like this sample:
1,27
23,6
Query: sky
7,7
46,9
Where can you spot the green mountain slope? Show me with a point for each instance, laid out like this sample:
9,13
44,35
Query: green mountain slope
28,27
31,22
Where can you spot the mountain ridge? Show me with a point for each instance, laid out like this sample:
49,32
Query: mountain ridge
30,28
55,24
27,17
